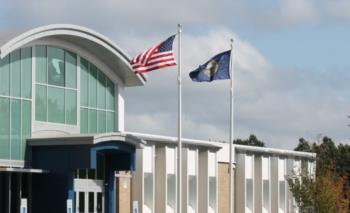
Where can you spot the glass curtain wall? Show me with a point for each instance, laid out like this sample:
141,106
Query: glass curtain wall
56,85
266,184
15,103
97,105
249,184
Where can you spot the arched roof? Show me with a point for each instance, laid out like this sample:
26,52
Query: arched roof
87,39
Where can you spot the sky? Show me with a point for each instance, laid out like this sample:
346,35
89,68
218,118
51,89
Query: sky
291,63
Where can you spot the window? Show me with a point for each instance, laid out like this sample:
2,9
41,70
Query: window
297,173
170,180
266,184
56,85
148,179
97,112
192,181
249,185
311,168
282,186
15,103
212,163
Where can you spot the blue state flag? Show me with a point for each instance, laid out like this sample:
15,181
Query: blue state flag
217,68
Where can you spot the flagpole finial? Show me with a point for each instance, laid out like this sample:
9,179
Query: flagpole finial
179,27
232,41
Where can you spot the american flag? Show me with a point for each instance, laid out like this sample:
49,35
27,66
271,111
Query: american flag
158,56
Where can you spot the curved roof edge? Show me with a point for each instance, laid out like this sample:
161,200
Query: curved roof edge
8,45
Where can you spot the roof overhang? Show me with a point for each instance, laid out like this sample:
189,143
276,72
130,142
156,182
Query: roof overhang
88,140
93,42
22,170
174,140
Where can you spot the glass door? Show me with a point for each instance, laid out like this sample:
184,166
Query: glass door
89,202
89,196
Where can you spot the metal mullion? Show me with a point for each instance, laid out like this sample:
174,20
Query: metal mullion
47,82
18,98
65,83
105,89
60,87
106,110
97,83
88,99
10,105
20,87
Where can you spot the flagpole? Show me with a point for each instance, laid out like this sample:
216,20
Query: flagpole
179,150
231,131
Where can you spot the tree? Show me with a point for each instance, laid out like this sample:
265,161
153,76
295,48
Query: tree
329,190
251,141
303,146
323,194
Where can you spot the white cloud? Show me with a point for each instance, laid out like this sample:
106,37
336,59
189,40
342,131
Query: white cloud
277,104
297,11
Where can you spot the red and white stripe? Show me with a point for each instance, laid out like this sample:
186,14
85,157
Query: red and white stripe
151,59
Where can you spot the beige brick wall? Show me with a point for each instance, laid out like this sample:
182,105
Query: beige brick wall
123,188
223,187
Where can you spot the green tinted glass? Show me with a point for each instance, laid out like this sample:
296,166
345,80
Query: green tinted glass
41,64
92,121
110,95
84,88
101,91
92,86
71,106
40,103
15,58
15,129
84,120
4,128
101,121
55,105
110,122
5,76
26,125
26,72
71,70
56,66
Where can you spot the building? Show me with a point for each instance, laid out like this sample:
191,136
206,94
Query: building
63,146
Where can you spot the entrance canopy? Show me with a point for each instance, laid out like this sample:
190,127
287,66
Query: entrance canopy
88,139
80,151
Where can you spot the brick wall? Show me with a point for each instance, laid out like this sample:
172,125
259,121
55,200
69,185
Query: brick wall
123,188
223,187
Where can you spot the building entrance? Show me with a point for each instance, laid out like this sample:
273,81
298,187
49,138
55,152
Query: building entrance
88,195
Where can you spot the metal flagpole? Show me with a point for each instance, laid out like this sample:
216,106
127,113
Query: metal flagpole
179,150
231,131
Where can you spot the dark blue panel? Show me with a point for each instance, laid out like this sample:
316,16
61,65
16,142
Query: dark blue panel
50,191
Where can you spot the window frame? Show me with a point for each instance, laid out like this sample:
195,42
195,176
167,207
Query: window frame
252,165
47,85
269,180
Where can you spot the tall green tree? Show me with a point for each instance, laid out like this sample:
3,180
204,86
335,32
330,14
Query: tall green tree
303,146
251,141
328,191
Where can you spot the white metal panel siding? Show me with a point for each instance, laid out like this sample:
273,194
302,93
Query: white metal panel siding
258,170
240,183
160,173
203,181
